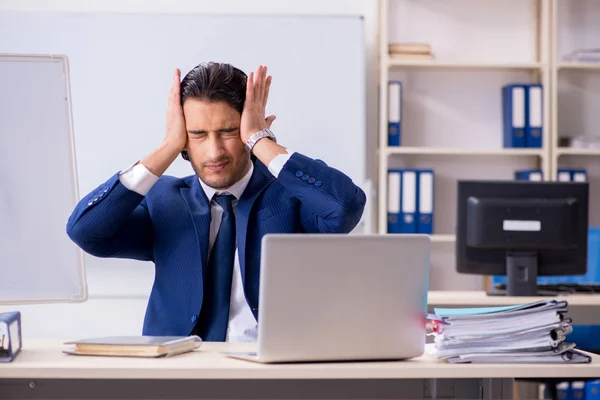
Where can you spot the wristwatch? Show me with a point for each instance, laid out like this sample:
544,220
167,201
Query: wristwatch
265,133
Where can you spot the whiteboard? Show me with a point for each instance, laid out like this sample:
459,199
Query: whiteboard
121,68
38,189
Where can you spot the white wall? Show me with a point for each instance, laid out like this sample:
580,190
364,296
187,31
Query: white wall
119,290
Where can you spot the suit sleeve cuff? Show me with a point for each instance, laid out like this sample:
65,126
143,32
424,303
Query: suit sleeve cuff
138,178
276,165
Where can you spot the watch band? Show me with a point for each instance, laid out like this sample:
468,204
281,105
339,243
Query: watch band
265,133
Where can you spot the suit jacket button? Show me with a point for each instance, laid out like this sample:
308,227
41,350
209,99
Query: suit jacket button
105,190
299,173
311,180
318,183
304,177
90,203
194,318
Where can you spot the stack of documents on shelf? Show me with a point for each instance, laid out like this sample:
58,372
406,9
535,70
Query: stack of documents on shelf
410,51
527,333
584,55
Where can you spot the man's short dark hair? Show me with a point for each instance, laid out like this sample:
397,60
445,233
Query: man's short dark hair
214,81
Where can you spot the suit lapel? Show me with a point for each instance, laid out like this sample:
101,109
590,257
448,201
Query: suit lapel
199,210
261,178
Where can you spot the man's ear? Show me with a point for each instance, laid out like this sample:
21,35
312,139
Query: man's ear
184,155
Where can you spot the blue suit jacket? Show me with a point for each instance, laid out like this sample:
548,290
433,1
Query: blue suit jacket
170,227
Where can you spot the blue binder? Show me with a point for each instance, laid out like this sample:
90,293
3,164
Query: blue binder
592,390
577,390
425,196
534,118
563,390
578,175
513,115
394,112
408,209
394,224
534,175
564,175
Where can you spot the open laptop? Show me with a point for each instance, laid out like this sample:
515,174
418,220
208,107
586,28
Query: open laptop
330,297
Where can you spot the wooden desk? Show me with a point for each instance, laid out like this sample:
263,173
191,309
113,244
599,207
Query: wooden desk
584,309
42,370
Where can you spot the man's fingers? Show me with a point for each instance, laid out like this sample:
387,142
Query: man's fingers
267,88
176,81
269,120
250,87
259,83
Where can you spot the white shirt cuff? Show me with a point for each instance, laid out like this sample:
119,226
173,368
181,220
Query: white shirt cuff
138,179
276,164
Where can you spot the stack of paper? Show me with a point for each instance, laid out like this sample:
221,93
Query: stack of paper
526,333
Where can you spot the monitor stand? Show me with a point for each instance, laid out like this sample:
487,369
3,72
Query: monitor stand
521,274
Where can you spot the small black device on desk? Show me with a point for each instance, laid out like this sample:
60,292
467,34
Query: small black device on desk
556,289
522,229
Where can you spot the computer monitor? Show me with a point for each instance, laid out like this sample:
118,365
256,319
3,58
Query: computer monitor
522,229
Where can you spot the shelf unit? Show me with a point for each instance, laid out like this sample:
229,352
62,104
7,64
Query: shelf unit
571,98
575,91
537,68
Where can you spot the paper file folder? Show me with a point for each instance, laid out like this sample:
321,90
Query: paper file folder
394,196
394,112
425,212
534,125
513,118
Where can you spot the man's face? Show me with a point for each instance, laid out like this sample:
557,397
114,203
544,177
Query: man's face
214,146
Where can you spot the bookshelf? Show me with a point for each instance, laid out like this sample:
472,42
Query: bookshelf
451,107
576,92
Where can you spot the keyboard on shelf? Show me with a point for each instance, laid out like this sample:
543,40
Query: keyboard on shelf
557,289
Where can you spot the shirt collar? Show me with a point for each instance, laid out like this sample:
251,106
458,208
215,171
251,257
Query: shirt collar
236,189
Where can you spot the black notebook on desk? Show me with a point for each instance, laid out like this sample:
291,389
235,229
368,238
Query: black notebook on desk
134,346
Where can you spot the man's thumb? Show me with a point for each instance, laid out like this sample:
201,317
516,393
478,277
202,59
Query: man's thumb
269,120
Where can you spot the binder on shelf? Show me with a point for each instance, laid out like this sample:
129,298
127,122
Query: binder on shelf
534,175
577,390
579,175
563,175
592,390
394,224
513,115
394,112
562,390
534,116
425,196
408,211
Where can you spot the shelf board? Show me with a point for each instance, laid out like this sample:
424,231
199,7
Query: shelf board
443,238
579,65
577,151
462,151
463,65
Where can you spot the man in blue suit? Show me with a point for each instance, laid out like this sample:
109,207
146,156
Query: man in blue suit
203,232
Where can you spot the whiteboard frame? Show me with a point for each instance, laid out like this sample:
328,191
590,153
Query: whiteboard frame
82,296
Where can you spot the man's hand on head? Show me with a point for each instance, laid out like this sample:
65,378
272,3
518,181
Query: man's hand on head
257,94
176,134
175,140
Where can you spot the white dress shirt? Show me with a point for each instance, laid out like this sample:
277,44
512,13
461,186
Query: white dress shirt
242,326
